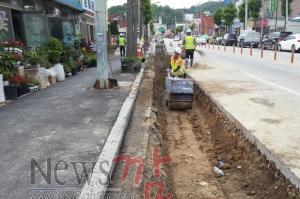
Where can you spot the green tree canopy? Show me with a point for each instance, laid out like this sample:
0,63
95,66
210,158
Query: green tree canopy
179,29
254,8
241,13
147,11
113,28
229,14
218,16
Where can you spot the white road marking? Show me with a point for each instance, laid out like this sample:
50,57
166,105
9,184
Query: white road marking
275,85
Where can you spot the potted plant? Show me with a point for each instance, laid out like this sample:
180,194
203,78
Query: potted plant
21,83
33,85
54,48
130,64
7,69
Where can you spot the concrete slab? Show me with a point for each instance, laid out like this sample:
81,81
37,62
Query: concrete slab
265,105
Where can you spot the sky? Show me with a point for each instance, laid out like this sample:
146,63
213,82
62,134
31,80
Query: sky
171,3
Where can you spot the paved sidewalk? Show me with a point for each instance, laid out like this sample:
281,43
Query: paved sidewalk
64,122
262,100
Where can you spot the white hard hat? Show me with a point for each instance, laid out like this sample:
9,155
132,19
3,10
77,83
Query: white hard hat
178,50
189,31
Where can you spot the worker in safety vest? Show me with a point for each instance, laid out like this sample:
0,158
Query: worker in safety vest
122,45
177,64
189,44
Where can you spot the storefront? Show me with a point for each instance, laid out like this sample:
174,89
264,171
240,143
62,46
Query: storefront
87,20
9,27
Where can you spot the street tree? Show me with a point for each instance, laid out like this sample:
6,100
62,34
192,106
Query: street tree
113,28
218,17
192,27
229,14
254,8
147,11
179,29
241,13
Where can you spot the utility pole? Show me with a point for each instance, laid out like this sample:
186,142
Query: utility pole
101,43
286,14
246,14
133,23
276,17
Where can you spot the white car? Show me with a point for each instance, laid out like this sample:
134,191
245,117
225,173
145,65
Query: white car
201,40
291,42
176,38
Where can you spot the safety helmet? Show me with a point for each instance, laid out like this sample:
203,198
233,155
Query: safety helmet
189,31
178,50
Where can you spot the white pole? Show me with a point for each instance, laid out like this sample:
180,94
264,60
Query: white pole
101,42
246,14
286,14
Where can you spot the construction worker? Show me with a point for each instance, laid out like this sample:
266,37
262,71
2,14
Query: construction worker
189,44
122,45
177,64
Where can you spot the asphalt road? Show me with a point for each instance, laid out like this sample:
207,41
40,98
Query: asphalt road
67,123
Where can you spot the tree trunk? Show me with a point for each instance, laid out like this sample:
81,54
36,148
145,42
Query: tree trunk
132,6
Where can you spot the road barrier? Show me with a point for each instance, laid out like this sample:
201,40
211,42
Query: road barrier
251,50
262,52
219,47
293,55
224,47
275,53
234,49
241,49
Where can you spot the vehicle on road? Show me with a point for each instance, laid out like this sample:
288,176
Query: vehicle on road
249,39
218,40
177,38
290,43
271,40
296,19
201,40
229,39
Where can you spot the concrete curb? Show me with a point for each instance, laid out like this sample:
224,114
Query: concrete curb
97,185
284,169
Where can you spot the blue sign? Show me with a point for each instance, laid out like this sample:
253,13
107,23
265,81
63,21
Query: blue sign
227,1
75,4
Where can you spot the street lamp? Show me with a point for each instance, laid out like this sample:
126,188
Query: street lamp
246,14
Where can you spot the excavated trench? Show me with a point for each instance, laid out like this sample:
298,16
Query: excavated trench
201,138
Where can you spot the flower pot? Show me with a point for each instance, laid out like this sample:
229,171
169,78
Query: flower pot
60,72
2,98
74,71
24,89
11,92
33,88
92,64
19,91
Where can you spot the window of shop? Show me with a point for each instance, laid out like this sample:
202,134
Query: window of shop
12,2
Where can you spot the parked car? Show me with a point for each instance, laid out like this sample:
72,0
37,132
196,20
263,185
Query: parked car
249,39
272,39
201,40
229,39
219,40
291,42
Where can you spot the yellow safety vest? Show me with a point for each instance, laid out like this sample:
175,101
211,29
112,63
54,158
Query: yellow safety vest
177,66
121,41
189,43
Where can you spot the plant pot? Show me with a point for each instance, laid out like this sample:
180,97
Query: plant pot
19,91
24,89
92,64
11,92
2,97
78,68
33,88
74,71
